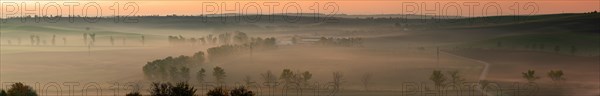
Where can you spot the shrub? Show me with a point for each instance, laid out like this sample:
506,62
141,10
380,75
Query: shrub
133,94
218,91
167,89
241,91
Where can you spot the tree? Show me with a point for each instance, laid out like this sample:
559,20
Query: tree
366,79
455,77
64,40
241,91
438,78
143,40
3,93
287,76
198,58
200,75
112,41
219,74
337,80
556,76
167,89
135,90
53,40
269,77
19,89
93,36
185,73
160,89
182,89
306,76
530,76
133,94
217,91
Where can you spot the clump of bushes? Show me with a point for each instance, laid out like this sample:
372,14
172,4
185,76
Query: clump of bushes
168,89
221,91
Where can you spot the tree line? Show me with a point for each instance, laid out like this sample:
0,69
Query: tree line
223,39
343,42
256,44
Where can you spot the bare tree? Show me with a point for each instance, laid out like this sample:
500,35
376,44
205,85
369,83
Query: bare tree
366,79
455,77
337,81
112,41
269,77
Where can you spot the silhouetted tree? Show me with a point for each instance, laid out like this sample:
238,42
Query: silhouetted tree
241,91
337,80
3,93
160,89
182,89
143,40
93,36
217,91
53,40
185,73
530,76
269,77
438,78
200,75
167,89
305,77
556,76
287,76
219,74
135,90
19,89
366,79
133,94
112,41
455,77
37,40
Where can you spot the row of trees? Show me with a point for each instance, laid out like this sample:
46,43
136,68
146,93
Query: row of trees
344,42
35,40
172,68
184,89
557,76
454,77
440,80
225,51
224,39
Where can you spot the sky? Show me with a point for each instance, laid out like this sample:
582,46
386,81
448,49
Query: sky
356,7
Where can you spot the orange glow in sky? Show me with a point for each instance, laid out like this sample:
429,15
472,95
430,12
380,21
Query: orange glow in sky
191,7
